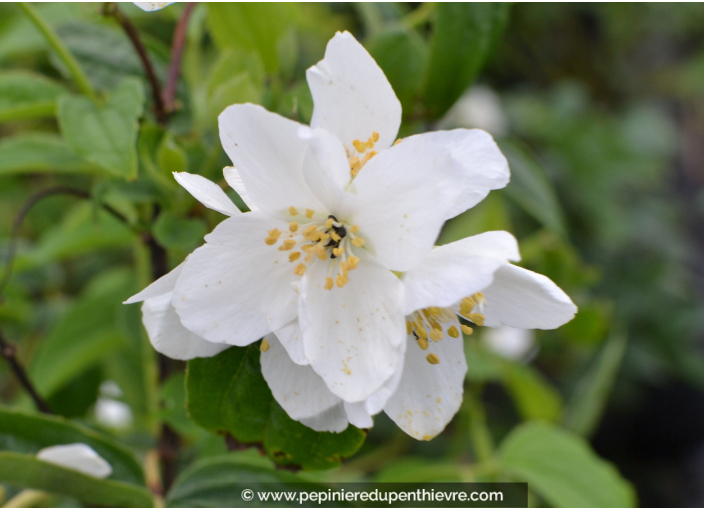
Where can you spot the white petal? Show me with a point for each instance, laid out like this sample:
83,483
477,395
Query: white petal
268,154
234,180
163,285
77,456
207,193
291,338
331,420
458,269
352,97
375,402
405,194
523,299
236,288
352,335
298,389
169,337
484,166
358,416
152,6
428,396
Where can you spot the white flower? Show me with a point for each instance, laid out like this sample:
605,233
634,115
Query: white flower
510,343
152,6
479,107
77,456
335,265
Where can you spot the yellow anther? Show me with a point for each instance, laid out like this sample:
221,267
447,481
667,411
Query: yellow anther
467,330
397,142
479,297
324,236
264,346
342,280
309,213
307,247
329,283
358,241
310,257
335,236
353,261
337,251
293,226
345,266
273,236
432,359
294,256
368,156
423,343
354,229
287,245
452,331
375,136
409,327
359,145
434,311
300,269
328,223
292,211
435,334
421,332
320,250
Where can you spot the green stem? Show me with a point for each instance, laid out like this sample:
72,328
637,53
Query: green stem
419,16
77,73
478,430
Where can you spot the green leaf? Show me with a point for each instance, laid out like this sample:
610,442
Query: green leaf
531,189
591,395
533,395
28,433
107,134
170,157
419,470
26,471
489,214
251,26
238,89
40,152
217,481
403,56
25,95
562,468
180,233
464,35
227,394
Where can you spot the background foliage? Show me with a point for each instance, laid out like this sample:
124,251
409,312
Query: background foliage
597,107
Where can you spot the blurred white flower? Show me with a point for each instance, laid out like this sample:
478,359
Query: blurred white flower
510,343
152,6
479,107
113,413
77,456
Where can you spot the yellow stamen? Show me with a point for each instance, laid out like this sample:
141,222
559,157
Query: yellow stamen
287,244
358,241
353,261
294,256
328,223
345,266
435,334
342,280
360,146
432,359
467,330
375,136
337,251
309,213
264,346
354,229
335,236
421,332
409,327
329,283
293,226
368,156
452,331
320,250
397,142
300,269
423,343
273,236
292,211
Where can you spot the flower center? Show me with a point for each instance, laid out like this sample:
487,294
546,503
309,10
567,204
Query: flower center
364,153
321,239
428,322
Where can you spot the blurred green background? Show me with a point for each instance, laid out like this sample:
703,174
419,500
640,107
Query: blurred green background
598,108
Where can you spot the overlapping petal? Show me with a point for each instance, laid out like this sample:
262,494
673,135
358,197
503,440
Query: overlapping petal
234,180
330,420
523,299
207,193
352,96
428,395
236,288
352,335
268,154
458,269
291,338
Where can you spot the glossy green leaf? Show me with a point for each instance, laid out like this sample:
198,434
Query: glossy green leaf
534,397
403,57
217,482
180,233
40,152
562,468
26,471
107,134
25,95
591,395
464,34
28,433
227,394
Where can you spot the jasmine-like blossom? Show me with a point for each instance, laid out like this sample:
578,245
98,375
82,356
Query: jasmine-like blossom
335,265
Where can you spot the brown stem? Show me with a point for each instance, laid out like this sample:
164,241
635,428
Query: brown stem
177,45
111,9
9,352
